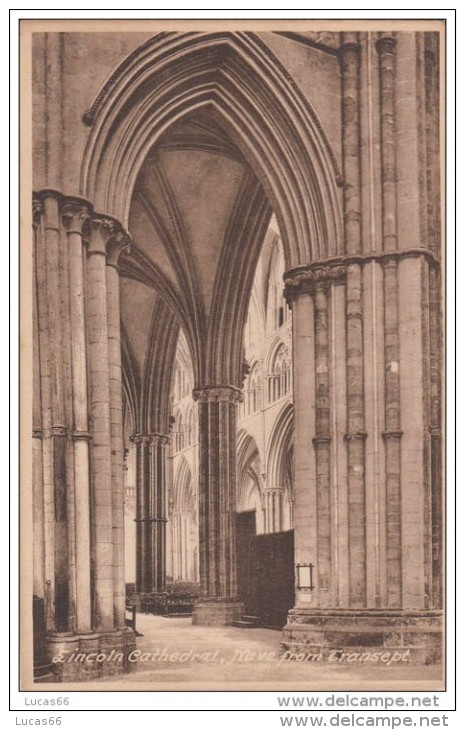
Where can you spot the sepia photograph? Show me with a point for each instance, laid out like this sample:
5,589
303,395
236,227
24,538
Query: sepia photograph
232,322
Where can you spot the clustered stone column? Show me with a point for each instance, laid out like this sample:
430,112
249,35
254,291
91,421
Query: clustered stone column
157,511
273,503
118,244
75,212
392,433
142,484
59,429
309,291
322,439
150,513
99,375
219,603
355,435
371,548
40,422
78,473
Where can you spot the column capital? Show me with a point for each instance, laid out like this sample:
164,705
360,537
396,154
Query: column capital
139,438
46,193
319,274
349,41
75,212
46,204
217,393
386,42
158,439
150,438
106,236
274,490
118,245
37,209
310,278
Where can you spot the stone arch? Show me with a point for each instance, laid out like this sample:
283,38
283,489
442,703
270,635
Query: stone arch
276,345
184,496
278,370
278,356
247,452
235,81
256,319
279,447
274,290
163,338
131,380
252,390
184,521
249,487
266,116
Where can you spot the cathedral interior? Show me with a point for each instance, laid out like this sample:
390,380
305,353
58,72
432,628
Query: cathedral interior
237,339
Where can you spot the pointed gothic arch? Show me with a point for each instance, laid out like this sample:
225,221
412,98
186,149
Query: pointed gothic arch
276,308
131,379
184,496
183,520
247,453
155,405
278,371
254,98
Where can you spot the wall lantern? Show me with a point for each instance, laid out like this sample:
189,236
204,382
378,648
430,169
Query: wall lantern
304,576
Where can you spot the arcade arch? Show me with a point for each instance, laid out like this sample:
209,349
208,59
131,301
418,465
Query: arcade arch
197,144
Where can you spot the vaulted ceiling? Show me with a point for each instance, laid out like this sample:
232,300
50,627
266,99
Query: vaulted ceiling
184,197
198,217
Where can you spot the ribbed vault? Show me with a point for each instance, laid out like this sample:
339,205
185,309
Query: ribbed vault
198,212
149,336
265,115
194,141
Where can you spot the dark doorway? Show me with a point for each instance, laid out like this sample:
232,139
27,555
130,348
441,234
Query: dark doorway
245,532
265,571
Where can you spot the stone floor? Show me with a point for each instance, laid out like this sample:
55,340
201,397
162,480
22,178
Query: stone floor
173,654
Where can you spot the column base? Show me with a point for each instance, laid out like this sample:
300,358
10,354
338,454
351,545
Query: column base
217,611
87,657
365,636
130,644
112,646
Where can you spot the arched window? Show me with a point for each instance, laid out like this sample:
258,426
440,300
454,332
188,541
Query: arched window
279,378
